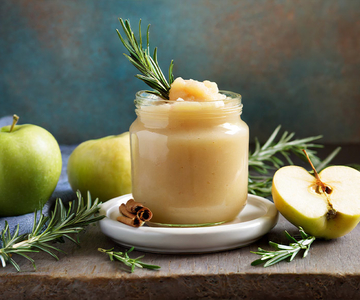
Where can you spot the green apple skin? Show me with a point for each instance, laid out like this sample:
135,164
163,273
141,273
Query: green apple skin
101,166
293,186
30,167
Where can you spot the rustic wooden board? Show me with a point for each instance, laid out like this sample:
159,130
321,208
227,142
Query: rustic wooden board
331,270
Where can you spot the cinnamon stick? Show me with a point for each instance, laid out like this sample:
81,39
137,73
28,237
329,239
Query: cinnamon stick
133,206
134,213
125,212
136,222
144,214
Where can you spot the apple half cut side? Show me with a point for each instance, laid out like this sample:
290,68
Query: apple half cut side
324,215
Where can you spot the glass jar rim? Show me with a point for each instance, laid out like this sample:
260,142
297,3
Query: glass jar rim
152,98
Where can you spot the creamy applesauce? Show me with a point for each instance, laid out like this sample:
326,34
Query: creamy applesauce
190,158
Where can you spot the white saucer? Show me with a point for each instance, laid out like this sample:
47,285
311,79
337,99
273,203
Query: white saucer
257,218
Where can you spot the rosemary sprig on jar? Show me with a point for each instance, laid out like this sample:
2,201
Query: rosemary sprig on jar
54,228
148,65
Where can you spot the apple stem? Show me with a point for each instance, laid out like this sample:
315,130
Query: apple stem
323,186
15,120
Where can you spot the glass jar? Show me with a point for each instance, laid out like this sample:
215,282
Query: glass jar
190,159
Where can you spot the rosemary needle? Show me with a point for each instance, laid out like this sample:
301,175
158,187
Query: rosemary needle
127,261
54,228
283,252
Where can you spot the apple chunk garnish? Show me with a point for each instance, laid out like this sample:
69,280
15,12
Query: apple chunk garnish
326,205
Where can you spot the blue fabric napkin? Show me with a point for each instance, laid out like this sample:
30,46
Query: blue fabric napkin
62,190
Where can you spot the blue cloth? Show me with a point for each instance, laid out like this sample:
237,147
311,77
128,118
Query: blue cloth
62,190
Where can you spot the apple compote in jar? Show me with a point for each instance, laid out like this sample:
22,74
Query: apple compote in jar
190,158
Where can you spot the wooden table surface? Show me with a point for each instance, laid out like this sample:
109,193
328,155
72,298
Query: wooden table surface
330,271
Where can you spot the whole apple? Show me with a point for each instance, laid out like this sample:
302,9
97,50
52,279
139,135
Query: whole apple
101,166
30,167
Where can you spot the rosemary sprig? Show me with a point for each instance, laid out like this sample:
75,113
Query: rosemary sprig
54,228
149,67
269,157
126,260
283,252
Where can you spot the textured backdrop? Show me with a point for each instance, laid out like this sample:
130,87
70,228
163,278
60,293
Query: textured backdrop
296,63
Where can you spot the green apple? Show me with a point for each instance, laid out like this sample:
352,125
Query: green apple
326,206
30,167
101,166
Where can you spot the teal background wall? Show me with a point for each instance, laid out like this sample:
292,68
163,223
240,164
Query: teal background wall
296,63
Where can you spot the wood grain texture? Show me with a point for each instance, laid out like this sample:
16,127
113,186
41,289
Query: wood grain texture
330,271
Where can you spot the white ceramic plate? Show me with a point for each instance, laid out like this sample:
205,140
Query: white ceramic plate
255,220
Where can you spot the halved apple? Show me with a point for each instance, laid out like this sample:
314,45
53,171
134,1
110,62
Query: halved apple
326,207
